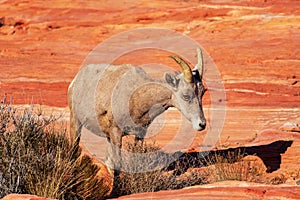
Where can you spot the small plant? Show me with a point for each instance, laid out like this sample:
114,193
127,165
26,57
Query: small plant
134,177
277,179
145,169
36,158
234,165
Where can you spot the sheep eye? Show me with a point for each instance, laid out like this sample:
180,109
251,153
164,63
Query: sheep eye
186,97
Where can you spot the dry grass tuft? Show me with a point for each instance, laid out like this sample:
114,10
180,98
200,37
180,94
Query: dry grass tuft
36,158
146,170
234,165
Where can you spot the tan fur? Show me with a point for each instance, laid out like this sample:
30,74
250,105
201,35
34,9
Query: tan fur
97,89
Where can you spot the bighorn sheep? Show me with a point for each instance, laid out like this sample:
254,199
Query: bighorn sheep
113,101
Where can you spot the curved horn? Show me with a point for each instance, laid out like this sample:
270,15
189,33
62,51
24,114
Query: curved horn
199,65
187,72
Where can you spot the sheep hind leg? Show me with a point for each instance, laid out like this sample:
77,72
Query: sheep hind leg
75,129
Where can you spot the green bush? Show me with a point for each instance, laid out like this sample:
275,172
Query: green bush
36,158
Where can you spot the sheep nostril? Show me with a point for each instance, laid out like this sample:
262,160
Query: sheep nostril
202,125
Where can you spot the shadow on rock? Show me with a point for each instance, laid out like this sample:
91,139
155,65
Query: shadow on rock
270,154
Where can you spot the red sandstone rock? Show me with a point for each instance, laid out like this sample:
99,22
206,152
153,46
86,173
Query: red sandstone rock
24,197
224,191
255,45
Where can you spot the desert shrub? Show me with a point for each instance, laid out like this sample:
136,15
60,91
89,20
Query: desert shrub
232,165
134,177
145,169
36,158
277,179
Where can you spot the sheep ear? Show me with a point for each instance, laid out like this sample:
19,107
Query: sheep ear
172,80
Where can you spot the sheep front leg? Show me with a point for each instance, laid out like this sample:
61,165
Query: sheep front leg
140,133
114,159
